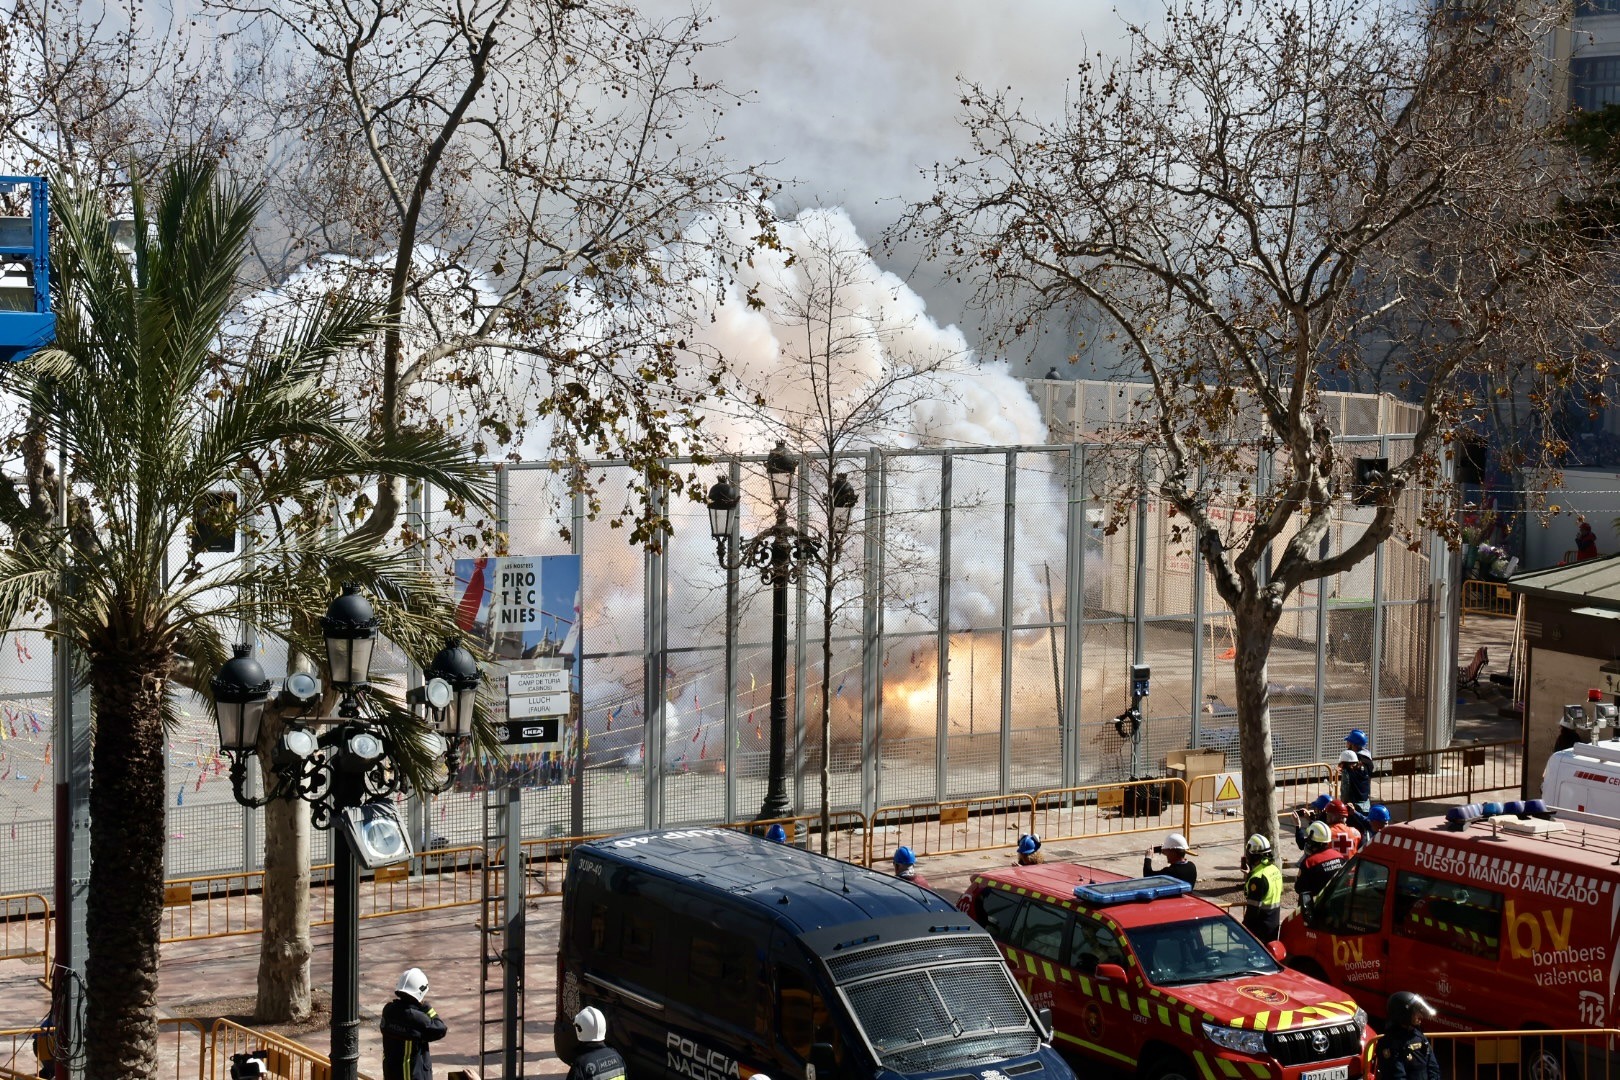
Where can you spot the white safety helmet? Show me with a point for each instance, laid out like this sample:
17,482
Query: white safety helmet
413,984
590,1025
1257,845
1348,757
1174,842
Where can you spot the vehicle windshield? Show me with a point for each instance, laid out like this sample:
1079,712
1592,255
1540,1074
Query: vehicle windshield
1201,950
923,1019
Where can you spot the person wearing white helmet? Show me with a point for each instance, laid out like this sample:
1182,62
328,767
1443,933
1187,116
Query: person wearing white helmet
594,1059
409,1024
1355,778
1177,866
1262,889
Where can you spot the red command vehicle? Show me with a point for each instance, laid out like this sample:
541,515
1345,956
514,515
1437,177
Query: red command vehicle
1502,924
1138,972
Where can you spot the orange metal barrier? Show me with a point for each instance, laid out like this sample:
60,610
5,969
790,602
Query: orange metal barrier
1455,772
25,929
1499,1055
1132,806
288,1060
1294,783
959,825
223,905
846,832
17,1053
545,863
1489,598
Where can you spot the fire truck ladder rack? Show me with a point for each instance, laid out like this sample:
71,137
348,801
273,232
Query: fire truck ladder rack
1602,839
501,931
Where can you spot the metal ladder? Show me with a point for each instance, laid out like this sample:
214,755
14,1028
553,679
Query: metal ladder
500,1005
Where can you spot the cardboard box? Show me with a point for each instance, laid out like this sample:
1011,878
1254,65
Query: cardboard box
1193,763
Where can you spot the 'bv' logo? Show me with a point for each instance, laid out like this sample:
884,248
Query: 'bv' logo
1346,951
1524,931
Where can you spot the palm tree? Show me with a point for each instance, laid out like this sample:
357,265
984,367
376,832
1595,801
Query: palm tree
159,412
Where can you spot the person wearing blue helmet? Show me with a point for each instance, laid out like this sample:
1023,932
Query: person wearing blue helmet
776,834
1356,772
905,866
1029,850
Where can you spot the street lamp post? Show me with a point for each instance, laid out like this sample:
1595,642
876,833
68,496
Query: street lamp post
346,773
779,554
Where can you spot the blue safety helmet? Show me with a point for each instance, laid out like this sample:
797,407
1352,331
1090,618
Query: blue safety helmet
1357,738
777,834
1320,802
1029,844
1379,814
904,857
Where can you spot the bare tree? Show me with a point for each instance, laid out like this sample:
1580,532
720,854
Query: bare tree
1243,196
532,168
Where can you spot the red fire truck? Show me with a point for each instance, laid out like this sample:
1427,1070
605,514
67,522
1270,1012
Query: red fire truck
1138,972
1500,923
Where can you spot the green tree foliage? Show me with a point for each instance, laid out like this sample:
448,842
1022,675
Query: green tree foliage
157,410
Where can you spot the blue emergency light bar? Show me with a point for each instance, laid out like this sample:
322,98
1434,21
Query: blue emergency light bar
1131,890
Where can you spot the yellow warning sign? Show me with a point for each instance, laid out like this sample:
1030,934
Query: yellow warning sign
1228,789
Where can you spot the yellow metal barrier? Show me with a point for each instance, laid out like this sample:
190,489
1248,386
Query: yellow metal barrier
17,1053
846,832
1295,784
1489,598
1453,773
960,825
1499,1055
1132,806
25,931
288,1060
224,905
175,1048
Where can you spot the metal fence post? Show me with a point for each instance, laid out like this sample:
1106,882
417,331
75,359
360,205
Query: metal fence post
872,645
1009,538
942,637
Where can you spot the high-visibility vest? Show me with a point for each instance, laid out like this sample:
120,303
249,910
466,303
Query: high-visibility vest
1271,896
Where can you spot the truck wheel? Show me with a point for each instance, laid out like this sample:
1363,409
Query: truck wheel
1546,1057
1170,1066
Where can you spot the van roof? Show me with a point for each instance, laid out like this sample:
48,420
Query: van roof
758,873
1594,848
1055,883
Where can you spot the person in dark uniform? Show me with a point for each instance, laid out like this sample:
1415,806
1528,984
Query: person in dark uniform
1321,863
1404,1052
409,1024
1176,862
1262,889
594,1060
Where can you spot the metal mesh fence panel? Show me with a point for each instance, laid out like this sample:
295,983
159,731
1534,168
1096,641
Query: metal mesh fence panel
967,654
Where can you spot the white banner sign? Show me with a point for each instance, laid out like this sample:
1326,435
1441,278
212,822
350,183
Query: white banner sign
528,683
520,708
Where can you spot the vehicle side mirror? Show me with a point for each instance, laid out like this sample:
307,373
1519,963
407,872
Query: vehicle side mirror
823,1062
1110,973
1045,1017
1279,951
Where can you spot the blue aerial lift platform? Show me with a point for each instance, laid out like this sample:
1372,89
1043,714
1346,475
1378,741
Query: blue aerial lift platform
26,320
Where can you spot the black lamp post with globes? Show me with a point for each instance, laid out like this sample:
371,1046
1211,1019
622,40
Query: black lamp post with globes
346,772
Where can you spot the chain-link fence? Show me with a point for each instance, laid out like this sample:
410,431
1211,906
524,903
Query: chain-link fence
985,610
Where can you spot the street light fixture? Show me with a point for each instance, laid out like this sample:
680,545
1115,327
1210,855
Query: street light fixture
779,554
347,773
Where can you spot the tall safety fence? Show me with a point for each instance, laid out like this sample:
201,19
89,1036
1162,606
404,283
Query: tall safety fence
987,607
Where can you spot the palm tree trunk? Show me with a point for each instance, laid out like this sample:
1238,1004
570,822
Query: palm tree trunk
125,899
